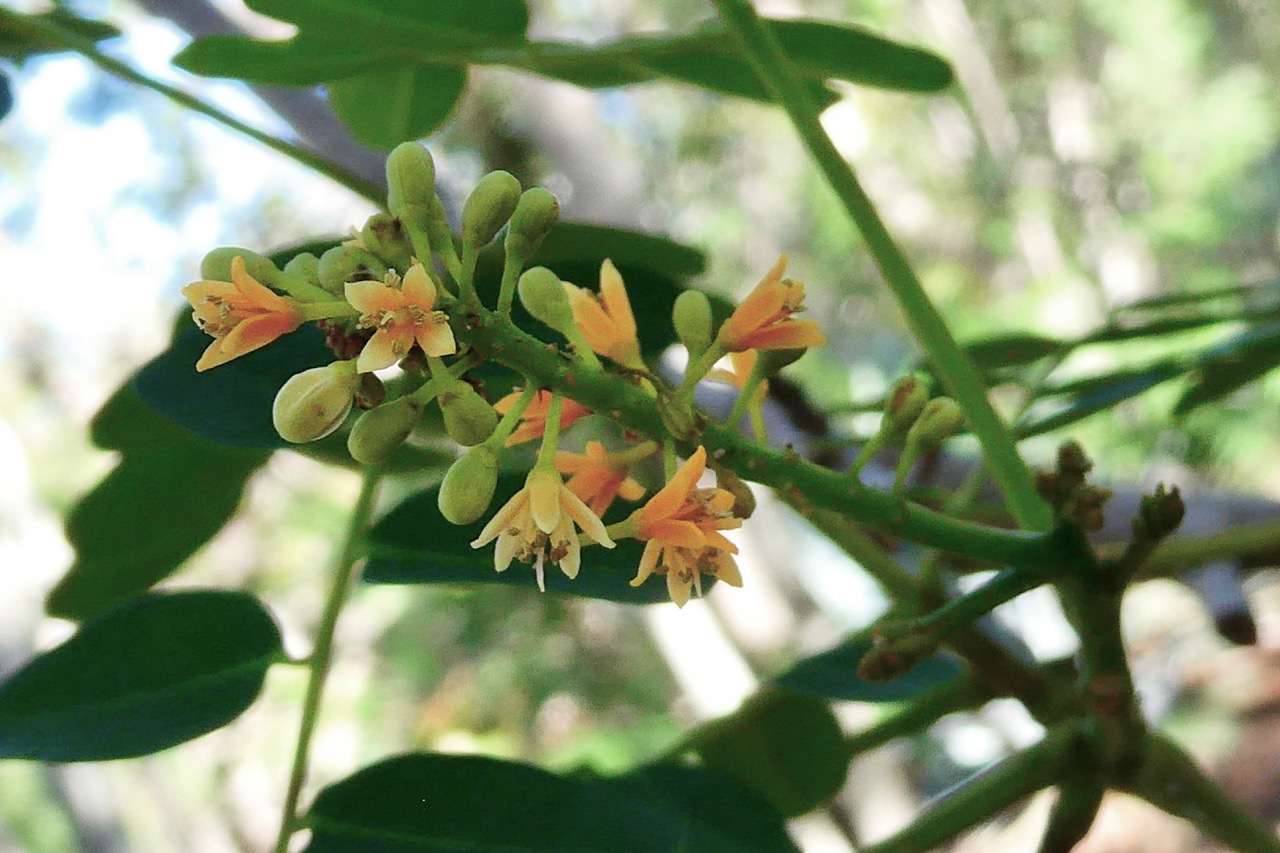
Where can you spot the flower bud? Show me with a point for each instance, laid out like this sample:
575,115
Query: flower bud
378,432
744,500
371,393
489,207
384,237
468,485
305,267
680,416
691,316
216,265
536,213
776,359
342,264
1159,514
439,231
543,296
938,421
314,403
468,418
411,178
903,406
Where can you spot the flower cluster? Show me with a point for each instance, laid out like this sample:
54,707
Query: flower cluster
398,295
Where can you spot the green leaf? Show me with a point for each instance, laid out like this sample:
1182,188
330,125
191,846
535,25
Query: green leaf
397,104
168,496
1230,366
19,40
374,23
1011,349
786,747
426,802
230,404
6,95
724,71
847,52
300,61
413,544
154,672
833,674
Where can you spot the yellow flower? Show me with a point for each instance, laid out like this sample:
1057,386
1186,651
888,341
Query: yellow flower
403,312
763,320
605,319
682,525
533,423
537,526
242,315
598,477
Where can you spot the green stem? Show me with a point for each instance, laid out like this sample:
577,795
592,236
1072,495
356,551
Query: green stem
550,435
344,567
511,265
86,48
327,310
972,606
760,47
747,393
923,711
699,368
466,273
511,419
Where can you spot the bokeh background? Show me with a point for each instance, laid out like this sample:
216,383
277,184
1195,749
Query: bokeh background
1090,154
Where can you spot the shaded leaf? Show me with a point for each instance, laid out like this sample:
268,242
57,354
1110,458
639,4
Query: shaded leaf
786,747
847,52
1227,368
833,674
168,496
152,673
1096,394
1012,348
386,22
20,40
397,104
428,802
6,95
300,61
414,544
723,71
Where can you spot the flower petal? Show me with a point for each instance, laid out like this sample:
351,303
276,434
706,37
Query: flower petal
613,293
257,293
373,297
678,587
418,289
791,334
683,534
648,561
436,338
381,350
590,523
673,495
501,519
544,488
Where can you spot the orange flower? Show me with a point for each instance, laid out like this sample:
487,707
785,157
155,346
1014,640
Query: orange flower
533,423
597,477
242,315
605,319
402,312
537,526
742,363
682,525
763,320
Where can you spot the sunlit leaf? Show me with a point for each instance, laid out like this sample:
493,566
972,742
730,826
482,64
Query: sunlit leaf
833,674
300,61
428,802
397,104
152,673
425,23
1230,366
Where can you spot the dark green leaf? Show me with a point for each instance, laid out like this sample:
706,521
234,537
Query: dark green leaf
373,23
169,494
230,404
1012,348
299,61
19,40
397,104
1128,330
1165,301
1230,366
833,674
1097,394
6,95
414,544
424,802
723,71
786,747
154,672
846,52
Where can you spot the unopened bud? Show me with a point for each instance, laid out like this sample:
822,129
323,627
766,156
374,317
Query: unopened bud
371,393
489,207
536,213
1159,514
543,296
744,500
411,178
305,266
904,405
468,419
691,315
468,485
938,421
314,403
680,417
776,359
384,237
378,432
216,265
343,264
891,656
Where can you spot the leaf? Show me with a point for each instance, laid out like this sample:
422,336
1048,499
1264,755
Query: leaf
1228,367
847,52
428,802
833,674
384,22
725,72
20,40
300,61
230,404
168,496
787,748
413,544
6,95
398,104
152,673
1012,348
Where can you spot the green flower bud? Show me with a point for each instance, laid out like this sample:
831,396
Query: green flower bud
938,421
342,264
216,265
904,405
489,207
536,213
371,393
543,296
314,403
411,178
467,417
776,359
384,237
305,267
439,231
691,316
378,432
468,485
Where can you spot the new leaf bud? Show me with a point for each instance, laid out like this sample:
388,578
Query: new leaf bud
489,207
378,432
314,403
938,421
535,215
411,178
691,315
543,296
468,418
776,359
468,485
